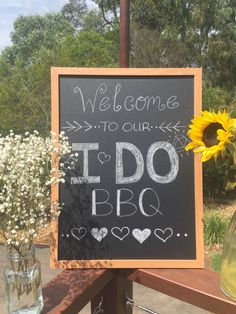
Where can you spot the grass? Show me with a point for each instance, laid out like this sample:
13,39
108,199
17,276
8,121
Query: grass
215,261
214,227
217,215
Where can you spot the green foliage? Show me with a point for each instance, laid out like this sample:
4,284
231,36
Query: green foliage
20,107
110,12
87,49
93,21
216,98
191,34
214,177
150,48
108,6
216,262
214,228
40,42
74,11
31,33
200,33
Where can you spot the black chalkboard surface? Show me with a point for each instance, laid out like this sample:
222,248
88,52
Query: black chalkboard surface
133,199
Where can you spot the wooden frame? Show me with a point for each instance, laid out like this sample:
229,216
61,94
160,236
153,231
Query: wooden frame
196,263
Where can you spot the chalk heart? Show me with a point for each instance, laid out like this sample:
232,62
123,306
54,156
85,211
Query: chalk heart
163,235
99,234
78,233
141,235
120,233
103,157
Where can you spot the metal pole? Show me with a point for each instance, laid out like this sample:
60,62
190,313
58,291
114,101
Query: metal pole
124,33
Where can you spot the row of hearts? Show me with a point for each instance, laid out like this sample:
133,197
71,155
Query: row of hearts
121,233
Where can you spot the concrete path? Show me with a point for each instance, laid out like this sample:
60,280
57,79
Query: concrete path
144,296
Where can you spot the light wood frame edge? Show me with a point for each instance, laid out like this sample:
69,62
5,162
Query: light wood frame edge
54,188
196,263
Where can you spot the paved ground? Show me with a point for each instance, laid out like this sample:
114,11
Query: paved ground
147,297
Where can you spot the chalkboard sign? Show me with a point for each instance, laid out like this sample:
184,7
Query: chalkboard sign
133,198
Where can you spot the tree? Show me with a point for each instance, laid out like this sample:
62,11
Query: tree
74,12
110,12
25,90
186,33
33,32
87,49
205,30
94,21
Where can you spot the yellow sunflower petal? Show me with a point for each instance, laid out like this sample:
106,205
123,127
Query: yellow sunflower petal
190,146
222,135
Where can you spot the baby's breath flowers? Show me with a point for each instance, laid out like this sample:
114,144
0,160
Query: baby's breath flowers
28,168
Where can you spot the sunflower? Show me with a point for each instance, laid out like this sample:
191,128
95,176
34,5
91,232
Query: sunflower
210,133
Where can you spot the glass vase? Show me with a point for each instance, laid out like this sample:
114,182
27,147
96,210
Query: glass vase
23,282
228,261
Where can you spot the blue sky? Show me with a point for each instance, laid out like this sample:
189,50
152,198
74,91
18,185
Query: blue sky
11,9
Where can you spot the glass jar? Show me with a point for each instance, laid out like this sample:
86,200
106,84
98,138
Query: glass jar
23,282
228,261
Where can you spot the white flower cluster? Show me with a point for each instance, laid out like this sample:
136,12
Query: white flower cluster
28,168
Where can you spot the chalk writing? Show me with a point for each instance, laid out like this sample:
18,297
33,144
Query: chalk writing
156,208
120,179
85,148
120,233
123,232
163,235
126,127
173,158
141,235
124,206
130,103
105,210
127,195
109,126
103,157
75,126
99,234
78,233
142,127
179,143
171,127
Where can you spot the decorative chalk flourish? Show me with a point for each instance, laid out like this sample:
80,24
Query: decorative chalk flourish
163,235
171,127
78,233
99,234
120,233
141,235
76,126
103,157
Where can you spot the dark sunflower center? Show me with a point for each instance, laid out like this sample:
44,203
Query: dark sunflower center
210,134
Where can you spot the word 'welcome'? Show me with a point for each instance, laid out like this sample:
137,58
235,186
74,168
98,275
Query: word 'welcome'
130,103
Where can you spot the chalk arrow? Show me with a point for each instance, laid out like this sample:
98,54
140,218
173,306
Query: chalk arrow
77,127
171,126
177,126
87,126
168,127
70,126
161,127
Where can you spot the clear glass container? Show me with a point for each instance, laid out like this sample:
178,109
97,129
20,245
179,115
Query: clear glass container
23,283
228,261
